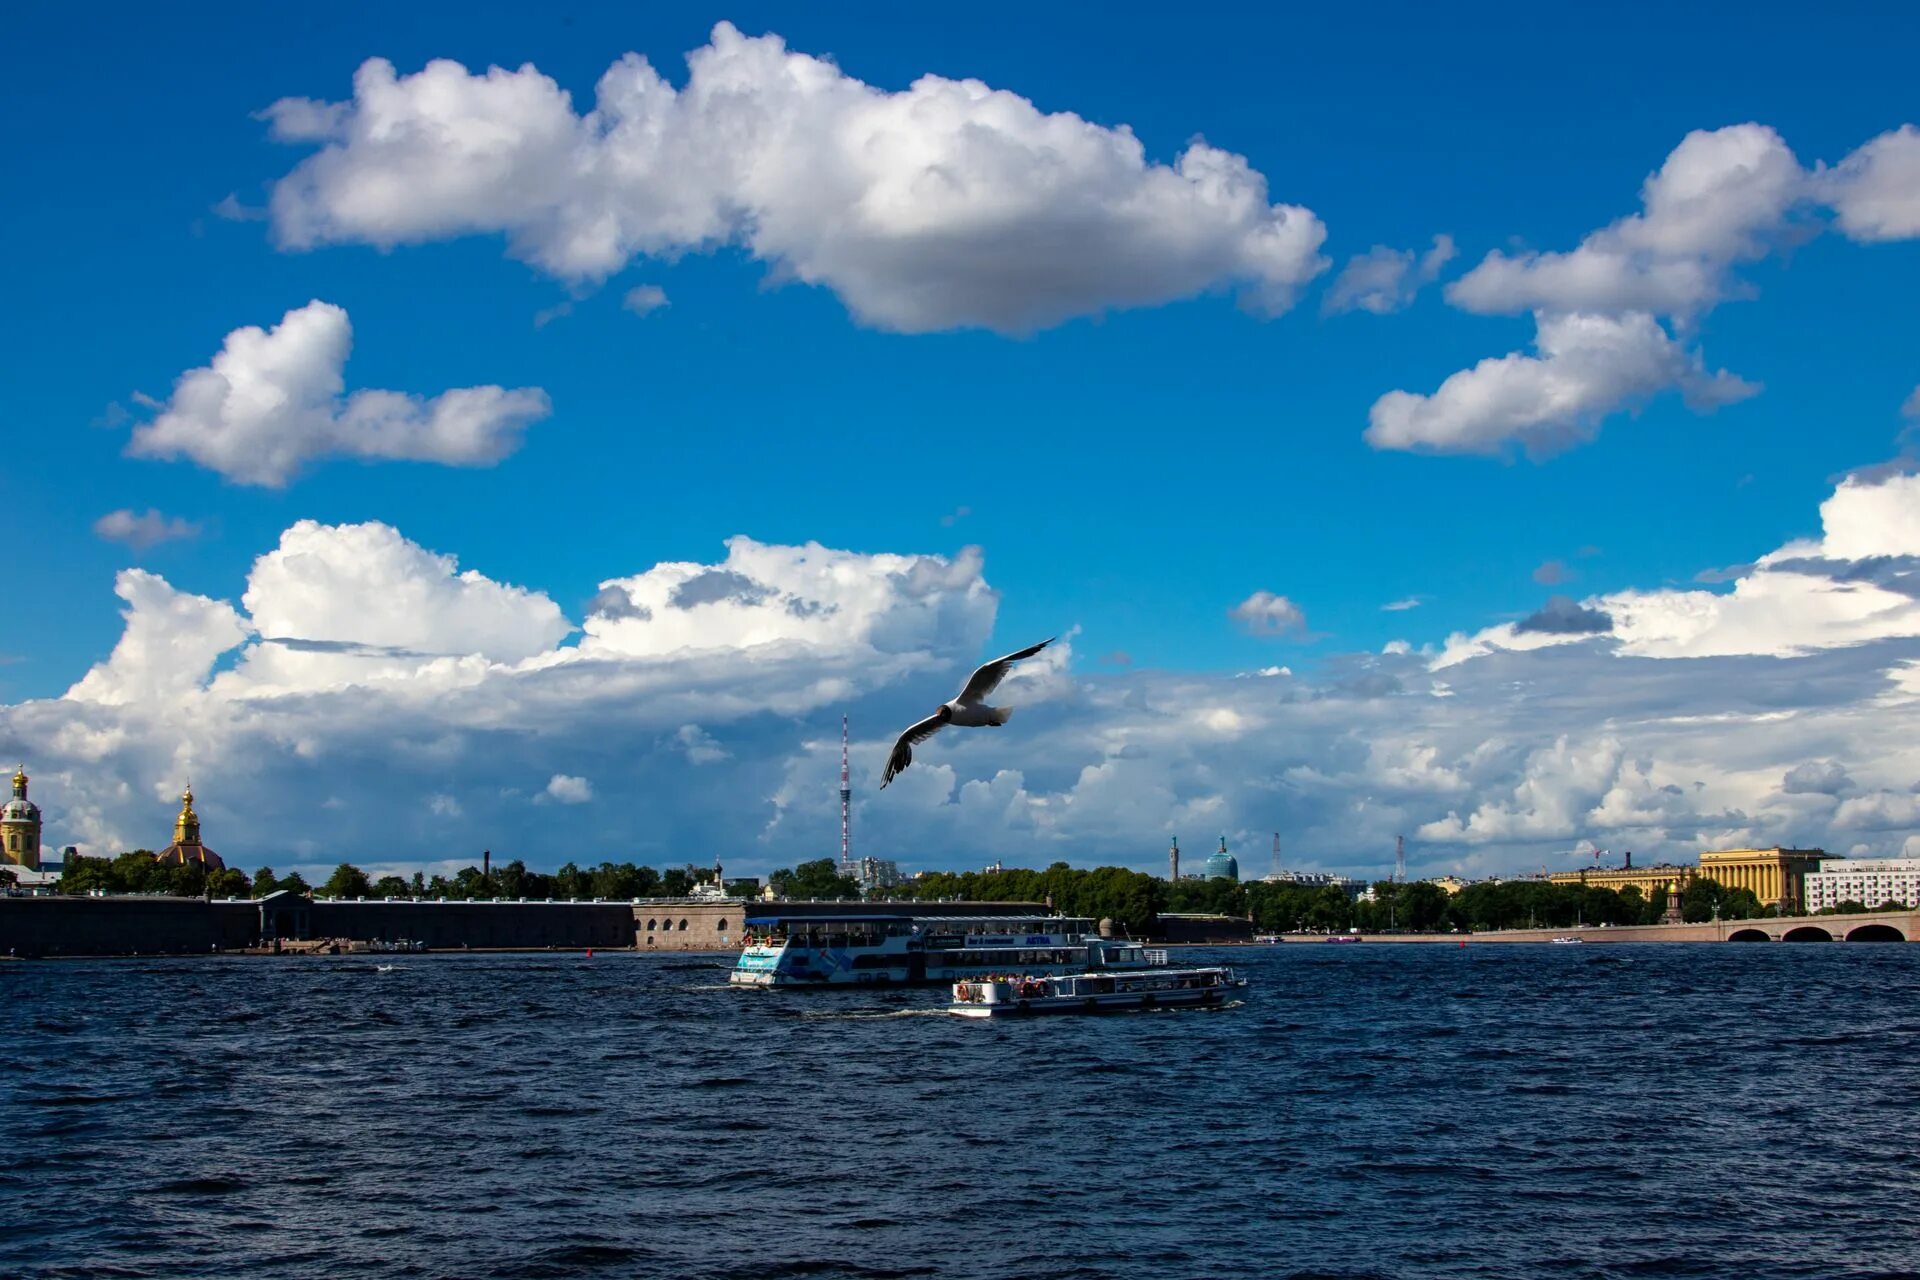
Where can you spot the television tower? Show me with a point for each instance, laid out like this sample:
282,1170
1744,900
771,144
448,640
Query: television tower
1399,859
1173,860
846,807
1276,855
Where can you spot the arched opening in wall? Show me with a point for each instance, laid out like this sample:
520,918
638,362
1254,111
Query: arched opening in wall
650,925
1876,933
683,924
722,926
1807,933
649,939
1749,935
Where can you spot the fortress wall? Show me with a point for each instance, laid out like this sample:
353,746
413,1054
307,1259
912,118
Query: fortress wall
53,926
123,926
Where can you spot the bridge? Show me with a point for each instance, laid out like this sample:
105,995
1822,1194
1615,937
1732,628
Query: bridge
1871,926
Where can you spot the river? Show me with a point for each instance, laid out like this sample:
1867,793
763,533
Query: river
1381,1111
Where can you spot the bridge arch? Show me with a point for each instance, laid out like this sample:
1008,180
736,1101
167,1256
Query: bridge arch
1876,933
1806,933
1749,935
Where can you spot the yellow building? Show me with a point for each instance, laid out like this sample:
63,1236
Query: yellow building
1776,876
186,846
1652,882
1448,885
20,827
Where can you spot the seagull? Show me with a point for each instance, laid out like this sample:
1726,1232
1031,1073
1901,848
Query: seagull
969,710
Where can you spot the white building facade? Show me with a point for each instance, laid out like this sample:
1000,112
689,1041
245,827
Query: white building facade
1867,881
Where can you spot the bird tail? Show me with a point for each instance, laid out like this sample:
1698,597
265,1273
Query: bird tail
1000,715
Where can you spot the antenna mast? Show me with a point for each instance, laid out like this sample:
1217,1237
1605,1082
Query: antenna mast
1399,859
846,807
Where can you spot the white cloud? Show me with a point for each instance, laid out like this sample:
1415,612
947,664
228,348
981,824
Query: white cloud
441,719
349,604
273,400
1384,280
644,299
1721,197
1265,614
698,745
565,789
1588,367
171,642
1847,587
147,529
1404,604
945,205
1875,192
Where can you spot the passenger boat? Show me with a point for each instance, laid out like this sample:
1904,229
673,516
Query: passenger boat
814,951
1343,937
1564,941
1097,991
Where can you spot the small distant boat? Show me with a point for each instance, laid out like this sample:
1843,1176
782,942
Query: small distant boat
1564,940
1343,937
1095,992
383,968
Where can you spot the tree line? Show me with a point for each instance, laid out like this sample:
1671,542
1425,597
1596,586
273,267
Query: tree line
1131,899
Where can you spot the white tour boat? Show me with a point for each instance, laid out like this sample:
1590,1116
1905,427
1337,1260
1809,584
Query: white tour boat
873,950
1156,986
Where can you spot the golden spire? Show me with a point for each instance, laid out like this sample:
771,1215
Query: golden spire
20,782
186,827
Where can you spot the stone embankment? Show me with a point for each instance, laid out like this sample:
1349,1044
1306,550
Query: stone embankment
1875,926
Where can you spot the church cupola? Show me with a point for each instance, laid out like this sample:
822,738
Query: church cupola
186,847
186,827
20,826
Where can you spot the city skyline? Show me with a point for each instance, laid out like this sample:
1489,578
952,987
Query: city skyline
427,457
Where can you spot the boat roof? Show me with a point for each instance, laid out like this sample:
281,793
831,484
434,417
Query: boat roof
802,918
813,919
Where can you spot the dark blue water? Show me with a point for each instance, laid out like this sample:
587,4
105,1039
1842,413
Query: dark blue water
1368,1111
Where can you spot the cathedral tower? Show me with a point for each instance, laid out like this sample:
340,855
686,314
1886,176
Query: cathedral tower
20,827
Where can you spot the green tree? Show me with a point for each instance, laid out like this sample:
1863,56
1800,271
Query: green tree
228,882
390,887
264,882
347,881
817,879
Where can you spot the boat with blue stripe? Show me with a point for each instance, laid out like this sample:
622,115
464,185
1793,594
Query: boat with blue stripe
801,950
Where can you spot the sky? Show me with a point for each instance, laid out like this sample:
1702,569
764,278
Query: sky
439,428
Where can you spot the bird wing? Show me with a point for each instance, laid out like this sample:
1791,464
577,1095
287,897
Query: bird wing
988,678
903,747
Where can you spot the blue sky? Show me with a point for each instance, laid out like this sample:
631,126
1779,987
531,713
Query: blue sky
1133,471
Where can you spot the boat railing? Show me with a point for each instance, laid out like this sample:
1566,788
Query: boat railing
1156,955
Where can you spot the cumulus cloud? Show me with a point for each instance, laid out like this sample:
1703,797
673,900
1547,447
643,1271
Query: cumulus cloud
1816,777
272,400
1875,192
1265,614
566,789
946,205
1384,280
1854,585
1588,366
147,529
440,721
1723,196
171,642
644,299
1563,617
698,745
